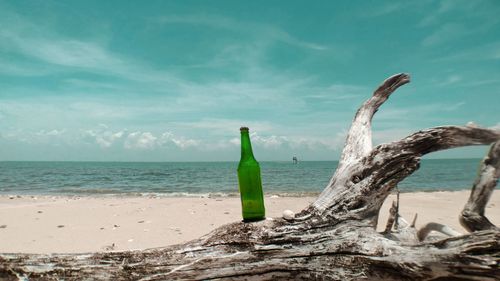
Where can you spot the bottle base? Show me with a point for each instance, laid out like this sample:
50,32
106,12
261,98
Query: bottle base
254,219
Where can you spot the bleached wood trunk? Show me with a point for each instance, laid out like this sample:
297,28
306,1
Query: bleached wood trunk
472,217
332,239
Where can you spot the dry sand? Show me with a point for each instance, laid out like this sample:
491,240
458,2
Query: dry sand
46,224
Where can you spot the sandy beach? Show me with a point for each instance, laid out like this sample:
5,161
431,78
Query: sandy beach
45,224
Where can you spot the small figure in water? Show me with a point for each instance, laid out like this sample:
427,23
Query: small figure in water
295,160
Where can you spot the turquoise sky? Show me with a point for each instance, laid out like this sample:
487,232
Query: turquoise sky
174,80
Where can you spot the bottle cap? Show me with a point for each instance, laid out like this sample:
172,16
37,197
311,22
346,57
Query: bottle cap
243,129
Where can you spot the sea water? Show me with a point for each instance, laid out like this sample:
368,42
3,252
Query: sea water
206,178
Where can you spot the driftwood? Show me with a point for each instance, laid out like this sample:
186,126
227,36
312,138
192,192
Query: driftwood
472,217
332,239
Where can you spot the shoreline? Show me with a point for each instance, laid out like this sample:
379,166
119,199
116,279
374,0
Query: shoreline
292,194
69,224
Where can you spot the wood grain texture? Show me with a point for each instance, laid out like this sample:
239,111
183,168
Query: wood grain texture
472,217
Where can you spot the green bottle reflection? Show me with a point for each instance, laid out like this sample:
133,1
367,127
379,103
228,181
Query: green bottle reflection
252,198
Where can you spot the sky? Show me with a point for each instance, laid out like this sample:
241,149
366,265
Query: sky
175,80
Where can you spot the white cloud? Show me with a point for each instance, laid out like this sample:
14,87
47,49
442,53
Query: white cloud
480,18
450,80
139,140
393,114
69,53
50,133
294,142
490,51
269,141
51,137
333,143
389,135
335,93
179,141
167,137
235,141
445,6
469,11
222,126
261,30
47,137
184,143
255,85
147,140
496,127
20,36
33,40
446,32
103,137
384,9
21,68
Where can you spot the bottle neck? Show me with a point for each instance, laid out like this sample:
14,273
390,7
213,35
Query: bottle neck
246,146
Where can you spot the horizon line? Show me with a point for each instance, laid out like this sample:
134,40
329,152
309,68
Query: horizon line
202,161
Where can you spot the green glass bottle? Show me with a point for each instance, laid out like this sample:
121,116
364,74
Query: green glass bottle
252,197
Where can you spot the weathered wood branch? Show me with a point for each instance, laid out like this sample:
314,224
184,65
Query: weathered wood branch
359,138
472,217
376,174
393,213
438,227
343,253
332,239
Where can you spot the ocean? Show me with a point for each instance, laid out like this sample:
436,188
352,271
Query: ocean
205,178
